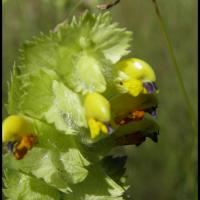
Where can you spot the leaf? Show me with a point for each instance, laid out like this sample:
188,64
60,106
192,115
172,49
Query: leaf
81,53
22,186
115,168
41,96
86,75
15,93
97,185
57,159
31,94
66,111
41,52
43,167
37,96
104,35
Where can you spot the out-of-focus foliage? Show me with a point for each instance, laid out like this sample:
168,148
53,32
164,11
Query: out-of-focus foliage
163,171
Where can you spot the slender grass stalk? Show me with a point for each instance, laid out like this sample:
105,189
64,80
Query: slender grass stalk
176,67
182,87
75,7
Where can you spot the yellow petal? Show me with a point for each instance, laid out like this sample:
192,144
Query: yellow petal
103,128
134,87
94,128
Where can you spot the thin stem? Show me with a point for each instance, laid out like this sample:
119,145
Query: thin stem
181,83
176,67
74,8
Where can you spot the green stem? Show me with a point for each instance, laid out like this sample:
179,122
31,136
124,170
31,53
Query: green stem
181,83
176,67
74,8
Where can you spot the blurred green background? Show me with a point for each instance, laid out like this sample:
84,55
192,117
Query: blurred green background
162,171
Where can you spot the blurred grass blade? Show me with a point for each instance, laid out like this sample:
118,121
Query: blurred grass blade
176,67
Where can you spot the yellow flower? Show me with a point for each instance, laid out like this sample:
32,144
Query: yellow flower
96,127
97,110
135,76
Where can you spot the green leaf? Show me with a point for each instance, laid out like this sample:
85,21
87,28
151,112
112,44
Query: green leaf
86,75
15,93
31,94
44,167
57,159
41,52
22,186
105,36
115,168
37,95
40,96
81,53
97,185
66,111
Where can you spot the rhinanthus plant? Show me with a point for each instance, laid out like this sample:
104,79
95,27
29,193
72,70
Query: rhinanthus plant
72,99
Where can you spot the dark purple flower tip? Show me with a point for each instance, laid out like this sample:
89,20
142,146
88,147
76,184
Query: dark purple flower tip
154,114
109,128
150,87
152,111
10,146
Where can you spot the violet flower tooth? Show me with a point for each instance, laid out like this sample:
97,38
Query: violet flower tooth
10,146
149,87
152,111
154,114
110,129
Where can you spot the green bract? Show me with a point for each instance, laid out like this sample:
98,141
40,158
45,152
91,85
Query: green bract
50,84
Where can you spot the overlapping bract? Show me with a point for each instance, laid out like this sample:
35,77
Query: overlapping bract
48,85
